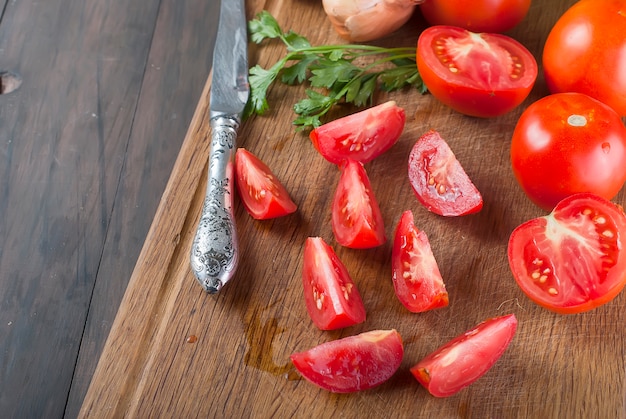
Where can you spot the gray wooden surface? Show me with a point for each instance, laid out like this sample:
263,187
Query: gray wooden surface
87,144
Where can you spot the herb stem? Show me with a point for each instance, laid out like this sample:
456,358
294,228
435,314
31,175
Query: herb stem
330,68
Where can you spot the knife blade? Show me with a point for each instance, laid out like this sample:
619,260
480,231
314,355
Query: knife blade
214,252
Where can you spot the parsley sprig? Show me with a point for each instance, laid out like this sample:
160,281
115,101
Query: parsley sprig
337,73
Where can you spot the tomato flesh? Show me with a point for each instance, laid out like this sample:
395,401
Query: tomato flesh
331,297
584,52
438,179
416,277
353,363
466,358
568,143
356,218
573,259
362,136
476,15
263,195
482,75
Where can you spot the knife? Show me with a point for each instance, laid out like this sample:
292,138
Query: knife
214,252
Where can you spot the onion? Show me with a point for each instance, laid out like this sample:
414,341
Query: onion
366,20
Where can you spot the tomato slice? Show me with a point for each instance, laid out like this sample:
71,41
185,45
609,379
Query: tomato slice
477,74
573,259
331,297
353,363
262,193
416,278
466,358
438,179
362,136
356,218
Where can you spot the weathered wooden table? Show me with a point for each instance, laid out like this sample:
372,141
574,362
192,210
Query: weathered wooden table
72,233
87,144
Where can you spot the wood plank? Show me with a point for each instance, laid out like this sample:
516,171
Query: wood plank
62,133
176,71
557,366
87,144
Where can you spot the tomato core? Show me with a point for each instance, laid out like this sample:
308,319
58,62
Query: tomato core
577,120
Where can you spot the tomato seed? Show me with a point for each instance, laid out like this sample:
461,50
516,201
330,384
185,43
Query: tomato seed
608,234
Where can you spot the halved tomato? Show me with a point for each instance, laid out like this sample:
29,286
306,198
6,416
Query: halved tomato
362,136
356,218
573,259
416,278
353,363
438,179
466,358
262,193
331,297
477,74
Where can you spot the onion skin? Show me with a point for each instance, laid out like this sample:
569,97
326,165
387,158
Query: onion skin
367,20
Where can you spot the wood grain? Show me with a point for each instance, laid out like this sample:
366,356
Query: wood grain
152,365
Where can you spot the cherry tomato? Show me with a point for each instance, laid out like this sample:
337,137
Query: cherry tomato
466,358
567,143
356,218
438,179
573,259
362,136
483,75
416,278
330,295
262,193
476,15
584,52
352,363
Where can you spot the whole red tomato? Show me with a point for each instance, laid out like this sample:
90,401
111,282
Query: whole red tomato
476,15
568,143
585,52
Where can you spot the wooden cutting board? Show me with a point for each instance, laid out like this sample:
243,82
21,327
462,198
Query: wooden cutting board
175,351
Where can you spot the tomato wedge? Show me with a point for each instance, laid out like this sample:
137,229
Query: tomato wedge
262,193
353,363
573,259
356,218
466,358
416,278
438,179
477,74
331,297
362,136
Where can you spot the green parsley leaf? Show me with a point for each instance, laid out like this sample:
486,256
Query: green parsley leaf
329,68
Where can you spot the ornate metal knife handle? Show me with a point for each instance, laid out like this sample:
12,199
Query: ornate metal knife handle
215,253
